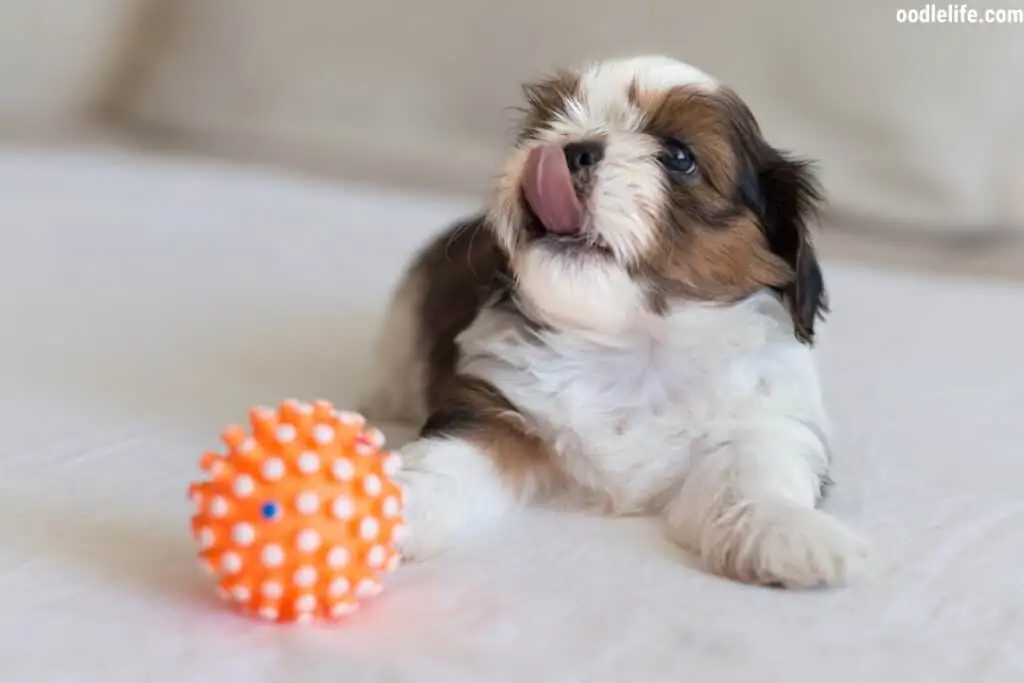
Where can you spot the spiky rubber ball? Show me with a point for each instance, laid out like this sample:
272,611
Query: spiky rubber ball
298,520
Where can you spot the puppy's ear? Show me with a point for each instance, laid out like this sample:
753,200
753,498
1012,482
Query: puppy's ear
785,194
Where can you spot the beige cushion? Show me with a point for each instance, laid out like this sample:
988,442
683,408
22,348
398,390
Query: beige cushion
57,58
916,125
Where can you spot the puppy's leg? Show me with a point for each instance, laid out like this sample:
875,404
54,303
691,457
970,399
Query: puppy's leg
748,509
475,460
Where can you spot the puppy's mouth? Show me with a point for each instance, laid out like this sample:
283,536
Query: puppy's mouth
555,214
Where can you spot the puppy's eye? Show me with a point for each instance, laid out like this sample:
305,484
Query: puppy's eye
678,158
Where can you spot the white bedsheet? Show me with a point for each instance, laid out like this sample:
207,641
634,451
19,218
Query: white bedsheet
147,302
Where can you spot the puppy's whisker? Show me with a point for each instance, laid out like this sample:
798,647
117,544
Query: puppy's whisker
455,234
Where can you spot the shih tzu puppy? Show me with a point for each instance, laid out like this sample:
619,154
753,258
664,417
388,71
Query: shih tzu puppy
627,325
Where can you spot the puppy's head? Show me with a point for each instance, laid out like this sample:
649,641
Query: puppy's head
638,182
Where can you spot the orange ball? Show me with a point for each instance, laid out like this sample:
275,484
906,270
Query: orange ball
298,521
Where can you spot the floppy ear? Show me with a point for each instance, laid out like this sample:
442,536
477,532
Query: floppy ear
786,194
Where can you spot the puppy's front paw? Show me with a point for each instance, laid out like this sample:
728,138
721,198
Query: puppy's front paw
427,535
451,487
787,545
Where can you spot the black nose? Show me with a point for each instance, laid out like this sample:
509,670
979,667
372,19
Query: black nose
583,155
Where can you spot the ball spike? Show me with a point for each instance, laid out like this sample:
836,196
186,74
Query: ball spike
293,413
264,424
211,462
233,436
322,409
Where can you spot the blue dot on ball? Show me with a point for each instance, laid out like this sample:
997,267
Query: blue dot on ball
270,510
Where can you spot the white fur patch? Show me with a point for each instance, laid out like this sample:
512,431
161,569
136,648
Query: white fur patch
626,411
627,196
714,416
607,81
451,487
602,104
578,292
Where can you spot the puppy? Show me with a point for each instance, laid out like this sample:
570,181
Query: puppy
628,325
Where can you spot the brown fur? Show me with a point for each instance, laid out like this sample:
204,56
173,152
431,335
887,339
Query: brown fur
714,264
476,411
714,243
461,271
700,120
545,98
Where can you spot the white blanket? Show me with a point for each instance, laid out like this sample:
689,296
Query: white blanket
147,303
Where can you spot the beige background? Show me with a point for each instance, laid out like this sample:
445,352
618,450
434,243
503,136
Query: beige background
58,58
915,124
919,129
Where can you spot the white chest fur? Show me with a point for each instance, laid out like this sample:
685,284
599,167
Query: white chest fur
626,415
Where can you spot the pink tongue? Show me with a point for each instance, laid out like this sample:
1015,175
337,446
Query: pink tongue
547,185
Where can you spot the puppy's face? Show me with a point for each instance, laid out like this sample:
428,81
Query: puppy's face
638,182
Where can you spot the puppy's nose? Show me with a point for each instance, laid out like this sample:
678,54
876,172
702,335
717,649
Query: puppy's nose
583,155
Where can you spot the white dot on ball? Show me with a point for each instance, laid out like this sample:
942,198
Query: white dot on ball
231,563
248,445
323,434
372,485
305,577
366,588
273,469
369,528
309,462
343,470
269,613
343,507
304,618
376,437
305,604
338,587
391,507
286,433
393,464
393,563
308,540
218,506
272,589
337,558
349,418
241,594
399,533
272,556
305,408
307,503
375,558
244,486
206,537
243,534
343,609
